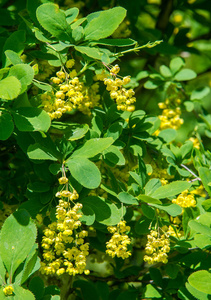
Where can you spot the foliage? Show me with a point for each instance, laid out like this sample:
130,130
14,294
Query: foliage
105,177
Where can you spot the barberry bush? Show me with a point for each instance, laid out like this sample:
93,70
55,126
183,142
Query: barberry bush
105,126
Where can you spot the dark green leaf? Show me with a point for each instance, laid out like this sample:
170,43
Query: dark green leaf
6,125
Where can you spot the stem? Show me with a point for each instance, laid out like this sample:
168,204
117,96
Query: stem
136,49
197,178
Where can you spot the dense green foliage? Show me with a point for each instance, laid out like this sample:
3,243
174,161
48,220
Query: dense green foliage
105,126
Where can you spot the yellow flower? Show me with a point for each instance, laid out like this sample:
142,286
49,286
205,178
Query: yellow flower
8,290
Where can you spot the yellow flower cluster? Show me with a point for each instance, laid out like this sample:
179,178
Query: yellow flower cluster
185,199
71,94
157,248
8,290
117,245
64,248
195,141
171,113
200,191
123,97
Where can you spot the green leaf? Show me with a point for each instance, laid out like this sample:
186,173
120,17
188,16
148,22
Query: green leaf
84,171
115,216
53,20
200,228
151,186
165,71
71,14
36,285
200,93
77,132
148,199
127,198
168,135
205,175
31,119
22,294
24,73
116,42
104,24
6,125
88,216
13,57
171,189
39,152
151,292
196,293
176,64
16,43
92,147
43,86
17,238
98,206
92,52
87,289
10,88
2,272
31,265
185,74
201,280
172,209
114,156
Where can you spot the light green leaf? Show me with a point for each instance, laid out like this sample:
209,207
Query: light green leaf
84,171
201,280
148,199
116,42
172,209
31,119
200,93
113,156
205,175
39,152
176,64
6,125
127,198
196,293
185,74
16,43
77,132
13,57
199,228
116,214
93,147
88,216
151,292
171,189
22,294
17,238
165,71
2,272
71,14
10,88
24,73
53,20
104,24
168,135
90,51
151,186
